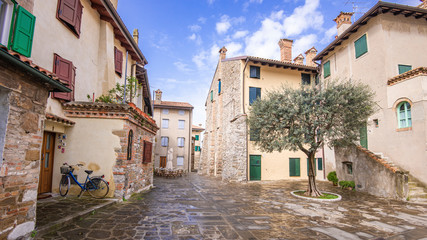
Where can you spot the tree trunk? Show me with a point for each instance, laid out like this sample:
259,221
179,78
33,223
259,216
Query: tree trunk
312,190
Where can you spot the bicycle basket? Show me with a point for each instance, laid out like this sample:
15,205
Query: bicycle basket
65,169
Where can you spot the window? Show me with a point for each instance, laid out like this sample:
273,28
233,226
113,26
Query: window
148,152
181,112
70,14
255,72
4,109
165,123
404,115
197,137
165,111
253,135
66,73
165,141
118,61
294,167
180,161
305,79
254,93
181,124
180,142
197,148
348,167
211,95
404,68
327,69
130,142
319,164
361,46
219,86
22,23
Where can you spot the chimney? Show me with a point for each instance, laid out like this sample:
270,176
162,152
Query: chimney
222,53
114,2
423,4
309,55
343,21
299,59
285,50
158,99
136,36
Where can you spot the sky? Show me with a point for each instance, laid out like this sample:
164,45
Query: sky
181,38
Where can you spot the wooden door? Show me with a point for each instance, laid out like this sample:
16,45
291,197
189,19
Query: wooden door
162,162
46,164
255,167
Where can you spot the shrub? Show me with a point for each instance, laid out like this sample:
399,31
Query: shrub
332,176
347,184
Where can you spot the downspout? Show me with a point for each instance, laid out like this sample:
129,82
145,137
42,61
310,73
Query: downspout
243,111
189,140
126,72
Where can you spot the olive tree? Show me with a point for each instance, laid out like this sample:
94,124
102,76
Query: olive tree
304,118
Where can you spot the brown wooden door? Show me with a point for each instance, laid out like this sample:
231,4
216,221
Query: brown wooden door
162,162
46,164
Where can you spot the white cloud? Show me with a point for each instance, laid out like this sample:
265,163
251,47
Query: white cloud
202,20
196,38
329,35
233,49
182,66
210,2
303,18
226,23
207,59
303,43
192,37
195,28
240,34
247,3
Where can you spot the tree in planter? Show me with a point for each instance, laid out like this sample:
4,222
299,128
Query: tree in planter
309,116
117,94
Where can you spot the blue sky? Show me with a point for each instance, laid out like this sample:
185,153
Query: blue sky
181,38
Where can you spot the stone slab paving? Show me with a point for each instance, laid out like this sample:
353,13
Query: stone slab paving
197,207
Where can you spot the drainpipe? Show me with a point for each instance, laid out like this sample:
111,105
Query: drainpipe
189,140
126,73
243,111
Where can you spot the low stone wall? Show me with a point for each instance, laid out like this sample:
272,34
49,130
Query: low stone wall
370,173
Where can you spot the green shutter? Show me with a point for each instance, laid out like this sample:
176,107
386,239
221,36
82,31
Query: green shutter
364,136
23,32
197,137
255,167
327,69
361,46
212,96
294,167
404,68
320,164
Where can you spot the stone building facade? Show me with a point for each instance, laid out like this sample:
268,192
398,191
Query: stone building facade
196,140
228,150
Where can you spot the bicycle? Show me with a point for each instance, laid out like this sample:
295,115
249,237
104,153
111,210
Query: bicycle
96,186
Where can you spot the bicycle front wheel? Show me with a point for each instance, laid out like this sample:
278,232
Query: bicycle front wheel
64,185
97,187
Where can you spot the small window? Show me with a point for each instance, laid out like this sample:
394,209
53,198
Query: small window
404,115
6,12
294,167
165,141
327,69
118,61
253,135
255,72
70,14
165,123
66,73
165,111
219,86
361,46
181,112
348,167
305,79
197,148
148,152
181,124
197,137
211,95
130,143
254,93
180,161
404,68
320,164
181,141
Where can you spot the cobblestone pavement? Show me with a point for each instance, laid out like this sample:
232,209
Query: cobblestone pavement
196,207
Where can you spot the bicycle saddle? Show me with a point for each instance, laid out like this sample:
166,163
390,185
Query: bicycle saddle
88,171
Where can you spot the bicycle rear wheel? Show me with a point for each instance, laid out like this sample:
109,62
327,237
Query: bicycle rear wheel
97,187
64,185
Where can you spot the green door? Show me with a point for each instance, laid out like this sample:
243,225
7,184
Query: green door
255,167
364,136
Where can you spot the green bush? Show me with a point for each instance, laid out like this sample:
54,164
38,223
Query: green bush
332,176
346,184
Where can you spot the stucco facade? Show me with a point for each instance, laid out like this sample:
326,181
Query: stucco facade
392,39
175,124
227,146
196,147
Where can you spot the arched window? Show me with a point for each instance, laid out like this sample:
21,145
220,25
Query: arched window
404,118
130,142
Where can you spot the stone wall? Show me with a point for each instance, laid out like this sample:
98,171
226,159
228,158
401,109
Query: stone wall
370,173
19,169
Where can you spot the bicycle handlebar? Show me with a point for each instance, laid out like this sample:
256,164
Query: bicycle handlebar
78,164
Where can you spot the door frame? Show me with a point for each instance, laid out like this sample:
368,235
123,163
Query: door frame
250,166
51,160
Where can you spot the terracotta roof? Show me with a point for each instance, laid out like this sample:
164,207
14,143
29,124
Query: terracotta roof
58,119
166,104
275,63
379,8
194,127
378,159
421,71
312,48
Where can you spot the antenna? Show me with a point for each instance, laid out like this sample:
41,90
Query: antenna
357,8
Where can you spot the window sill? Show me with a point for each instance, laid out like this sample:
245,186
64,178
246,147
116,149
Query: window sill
404,129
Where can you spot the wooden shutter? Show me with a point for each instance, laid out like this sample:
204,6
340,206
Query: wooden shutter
66,72
79,13
361,46
219,86
23,32
148,146
118,60
320,164
67,11
327,69
294,167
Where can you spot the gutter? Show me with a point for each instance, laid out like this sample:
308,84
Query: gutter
56,85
